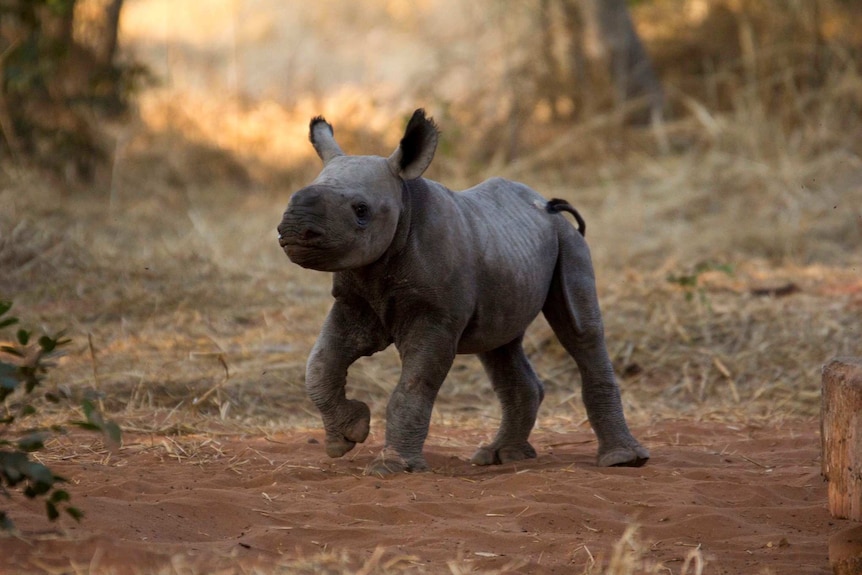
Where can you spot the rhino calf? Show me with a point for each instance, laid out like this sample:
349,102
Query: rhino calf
439,273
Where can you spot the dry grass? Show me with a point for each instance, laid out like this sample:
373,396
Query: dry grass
184,313
628,556
186,316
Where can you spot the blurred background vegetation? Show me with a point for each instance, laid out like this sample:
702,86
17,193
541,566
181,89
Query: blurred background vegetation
714,147
59,68
505,77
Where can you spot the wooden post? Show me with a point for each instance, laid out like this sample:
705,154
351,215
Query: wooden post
841,440
845,551
841,436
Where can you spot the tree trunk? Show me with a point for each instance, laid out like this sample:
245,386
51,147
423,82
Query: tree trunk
841,436
550,85
610,37
112,28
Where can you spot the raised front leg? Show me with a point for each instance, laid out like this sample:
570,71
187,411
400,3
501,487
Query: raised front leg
572,310
520,393
349,332
426,358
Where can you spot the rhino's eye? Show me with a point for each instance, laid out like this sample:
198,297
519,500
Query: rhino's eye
362,213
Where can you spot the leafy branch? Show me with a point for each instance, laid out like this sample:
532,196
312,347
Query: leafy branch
23,366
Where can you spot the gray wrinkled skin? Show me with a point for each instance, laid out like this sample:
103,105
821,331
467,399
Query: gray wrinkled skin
439,273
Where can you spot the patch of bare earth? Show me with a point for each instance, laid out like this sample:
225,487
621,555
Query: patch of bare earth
736,498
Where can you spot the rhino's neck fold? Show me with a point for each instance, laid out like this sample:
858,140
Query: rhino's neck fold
409,189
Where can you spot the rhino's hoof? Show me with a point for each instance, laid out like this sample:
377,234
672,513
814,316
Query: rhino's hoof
338,446
388,462
357,421
349,427
623,457
491,455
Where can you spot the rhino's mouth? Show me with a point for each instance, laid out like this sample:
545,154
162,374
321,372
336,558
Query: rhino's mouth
306,256
312,253
307,236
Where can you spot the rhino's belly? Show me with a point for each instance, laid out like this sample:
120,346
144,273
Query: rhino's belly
505,306
479,338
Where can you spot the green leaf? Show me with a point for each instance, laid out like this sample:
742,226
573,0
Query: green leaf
23,336
48,344
59,496
96,422
6,523
51,509
89,409
13,466
36,489
31,381
8,321
38,473
112,432
5,305
86,425
75,513
33,442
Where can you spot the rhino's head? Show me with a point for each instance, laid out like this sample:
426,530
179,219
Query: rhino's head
347,217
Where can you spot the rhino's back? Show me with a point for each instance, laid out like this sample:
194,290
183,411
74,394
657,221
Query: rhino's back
515,245
502,195
511,213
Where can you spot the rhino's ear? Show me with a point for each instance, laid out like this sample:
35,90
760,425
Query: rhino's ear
417,147
322,138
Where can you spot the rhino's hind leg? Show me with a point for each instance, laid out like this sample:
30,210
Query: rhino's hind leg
520,393
572,310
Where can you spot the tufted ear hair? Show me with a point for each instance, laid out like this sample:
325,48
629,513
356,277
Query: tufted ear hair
322,138
416,150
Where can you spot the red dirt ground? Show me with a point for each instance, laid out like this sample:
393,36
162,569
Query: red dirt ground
751,499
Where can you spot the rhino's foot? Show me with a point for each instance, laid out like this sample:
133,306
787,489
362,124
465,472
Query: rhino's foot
496,455
625,456
389,462
351,427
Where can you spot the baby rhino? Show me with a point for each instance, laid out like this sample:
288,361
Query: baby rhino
439,273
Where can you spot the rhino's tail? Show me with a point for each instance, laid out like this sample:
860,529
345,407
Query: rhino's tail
556,206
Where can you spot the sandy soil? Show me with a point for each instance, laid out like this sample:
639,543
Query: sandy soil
750,499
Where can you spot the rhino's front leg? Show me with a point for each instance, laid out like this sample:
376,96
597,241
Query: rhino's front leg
349,332
426,359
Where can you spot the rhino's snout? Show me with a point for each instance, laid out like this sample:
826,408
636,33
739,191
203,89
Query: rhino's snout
301,222
292,232
310,233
